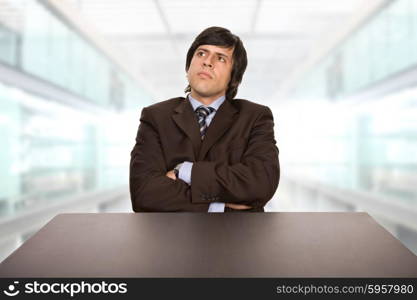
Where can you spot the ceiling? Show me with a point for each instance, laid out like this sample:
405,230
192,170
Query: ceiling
278,35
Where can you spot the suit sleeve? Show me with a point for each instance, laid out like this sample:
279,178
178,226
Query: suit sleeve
253,181
150,188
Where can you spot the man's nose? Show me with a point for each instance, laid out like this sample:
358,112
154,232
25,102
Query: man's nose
207,62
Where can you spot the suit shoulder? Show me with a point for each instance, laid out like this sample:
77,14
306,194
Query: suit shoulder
167,105
246,105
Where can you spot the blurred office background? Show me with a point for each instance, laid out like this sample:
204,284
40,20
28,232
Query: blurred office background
340,77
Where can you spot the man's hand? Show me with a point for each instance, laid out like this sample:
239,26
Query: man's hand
171,175
238,206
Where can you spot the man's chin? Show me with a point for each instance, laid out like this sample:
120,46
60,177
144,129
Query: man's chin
205,93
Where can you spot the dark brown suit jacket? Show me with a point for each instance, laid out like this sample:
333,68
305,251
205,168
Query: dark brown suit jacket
237,162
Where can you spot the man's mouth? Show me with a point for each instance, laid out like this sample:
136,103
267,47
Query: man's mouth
204,75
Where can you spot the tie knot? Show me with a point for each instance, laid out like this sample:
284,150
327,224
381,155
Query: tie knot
203,111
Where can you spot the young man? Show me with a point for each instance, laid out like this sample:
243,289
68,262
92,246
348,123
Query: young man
208,151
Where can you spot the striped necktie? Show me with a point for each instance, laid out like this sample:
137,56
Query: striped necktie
202,112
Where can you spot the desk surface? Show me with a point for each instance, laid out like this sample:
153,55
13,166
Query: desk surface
211,245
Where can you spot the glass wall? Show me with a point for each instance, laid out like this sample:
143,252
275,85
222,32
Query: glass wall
44,46
50,150
383,46
8,45
368,145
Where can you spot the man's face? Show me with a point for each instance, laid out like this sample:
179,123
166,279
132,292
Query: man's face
210,70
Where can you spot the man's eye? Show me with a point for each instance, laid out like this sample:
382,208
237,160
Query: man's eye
222,59
200,53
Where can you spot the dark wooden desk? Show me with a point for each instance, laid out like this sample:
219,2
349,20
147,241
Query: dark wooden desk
211,245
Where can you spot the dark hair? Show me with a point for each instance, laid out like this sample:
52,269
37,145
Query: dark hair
222,37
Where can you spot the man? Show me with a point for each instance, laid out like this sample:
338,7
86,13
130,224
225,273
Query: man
207,152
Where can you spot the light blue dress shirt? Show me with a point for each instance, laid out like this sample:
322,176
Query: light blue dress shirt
184,173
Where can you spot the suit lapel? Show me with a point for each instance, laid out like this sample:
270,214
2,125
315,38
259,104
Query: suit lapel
185,118
222,121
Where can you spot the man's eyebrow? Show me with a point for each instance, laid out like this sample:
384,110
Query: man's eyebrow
218,53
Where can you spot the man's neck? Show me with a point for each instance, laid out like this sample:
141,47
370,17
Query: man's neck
205,100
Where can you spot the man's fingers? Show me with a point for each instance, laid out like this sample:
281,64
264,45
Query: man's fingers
238,206
171,175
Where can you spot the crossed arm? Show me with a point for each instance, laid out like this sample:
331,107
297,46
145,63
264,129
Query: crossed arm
249,183
171,174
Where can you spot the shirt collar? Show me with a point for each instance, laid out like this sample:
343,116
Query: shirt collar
215,104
